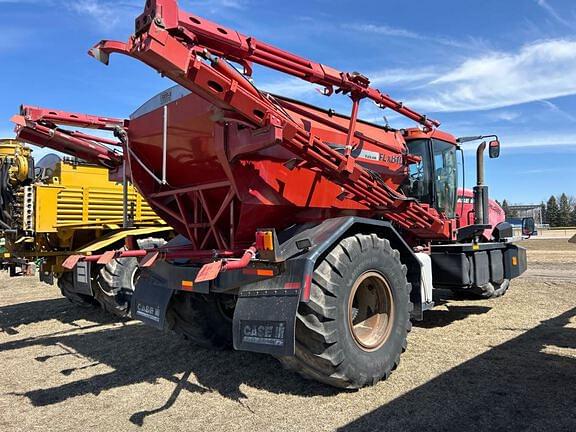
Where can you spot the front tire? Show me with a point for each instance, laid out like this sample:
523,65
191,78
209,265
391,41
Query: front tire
354,328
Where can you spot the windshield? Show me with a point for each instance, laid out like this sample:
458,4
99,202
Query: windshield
445,177
434,179
46,166
419,181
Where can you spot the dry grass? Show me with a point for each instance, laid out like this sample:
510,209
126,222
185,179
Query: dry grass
508,364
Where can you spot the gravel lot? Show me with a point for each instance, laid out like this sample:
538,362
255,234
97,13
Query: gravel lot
507,364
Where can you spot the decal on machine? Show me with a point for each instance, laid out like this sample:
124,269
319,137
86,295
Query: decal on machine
375,156
263,332
148,311
371,155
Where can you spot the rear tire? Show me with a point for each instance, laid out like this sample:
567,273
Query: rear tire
66,285
205,320
115,282
354,328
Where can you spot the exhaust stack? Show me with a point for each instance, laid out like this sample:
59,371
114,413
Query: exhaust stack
480,190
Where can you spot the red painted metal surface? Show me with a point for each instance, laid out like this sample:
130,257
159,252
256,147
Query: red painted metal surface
41,127
227,159
465,211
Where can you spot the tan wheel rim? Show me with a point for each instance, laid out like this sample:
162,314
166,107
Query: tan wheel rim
370,311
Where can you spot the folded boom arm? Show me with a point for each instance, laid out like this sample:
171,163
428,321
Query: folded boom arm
40,126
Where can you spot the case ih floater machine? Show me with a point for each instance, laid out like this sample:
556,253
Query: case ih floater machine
305,234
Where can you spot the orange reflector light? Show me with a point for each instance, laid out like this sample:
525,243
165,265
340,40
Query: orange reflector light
259,272
187,285
268,240
514,261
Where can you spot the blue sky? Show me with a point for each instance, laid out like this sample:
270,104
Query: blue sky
503,67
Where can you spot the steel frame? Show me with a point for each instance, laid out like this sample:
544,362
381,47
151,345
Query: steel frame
192,52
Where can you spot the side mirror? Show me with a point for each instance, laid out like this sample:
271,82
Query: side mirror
528,226
494,149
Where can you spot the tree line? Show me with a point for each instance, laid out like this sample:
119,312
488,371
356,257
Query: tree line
557,211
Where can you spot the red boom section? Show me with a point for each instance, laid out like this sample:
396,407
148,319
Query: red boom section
185,48
39,126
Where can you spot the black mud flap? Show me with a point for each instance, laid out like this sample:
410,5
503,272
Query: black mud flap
264,322
150,299
46,276
82,279
515,262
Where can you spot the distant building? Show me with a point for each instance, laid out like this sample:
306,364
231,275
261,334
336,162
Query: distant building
528,210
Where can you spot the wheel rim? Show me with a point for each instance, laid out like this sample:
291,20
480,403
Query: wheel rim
134,278
370,311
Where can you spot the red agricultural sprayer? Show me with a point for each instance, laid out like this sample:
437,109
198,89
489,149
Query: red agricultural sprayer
306,234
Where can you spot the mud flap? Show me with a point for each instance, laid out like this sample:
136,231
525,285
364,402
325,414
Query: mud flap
264,322
82,279
150,299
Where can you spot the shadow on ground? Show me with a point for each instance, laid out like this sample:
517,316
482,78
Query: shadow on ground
141,354
524,384
519,385
60,309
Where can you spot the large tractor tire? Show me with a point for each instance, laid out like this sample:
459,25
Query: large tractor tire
115,282
354,328
66,285
205,320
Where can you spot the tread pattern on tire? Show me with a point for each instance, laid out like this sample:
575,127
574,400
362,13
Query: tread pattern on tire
66,285
318,354
116,277
198,319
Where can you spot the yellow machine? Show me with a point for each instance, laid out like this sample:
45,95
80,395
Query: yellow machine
58,207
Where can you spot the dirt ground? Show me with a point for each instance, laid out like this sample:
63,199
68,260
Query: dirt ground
505,364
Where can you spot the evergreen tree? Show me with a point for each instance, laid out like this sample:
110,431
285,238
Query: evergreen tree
543,213
564,211
552,211
506,208
573,217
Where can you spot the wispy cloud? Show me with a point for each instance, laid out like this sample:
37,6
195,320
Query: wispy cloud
403,77
542,70
505,115
294,87
289,87
552,12
386,30
105,14
558,111
214,5
535,72
108,14
537,139
541,170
